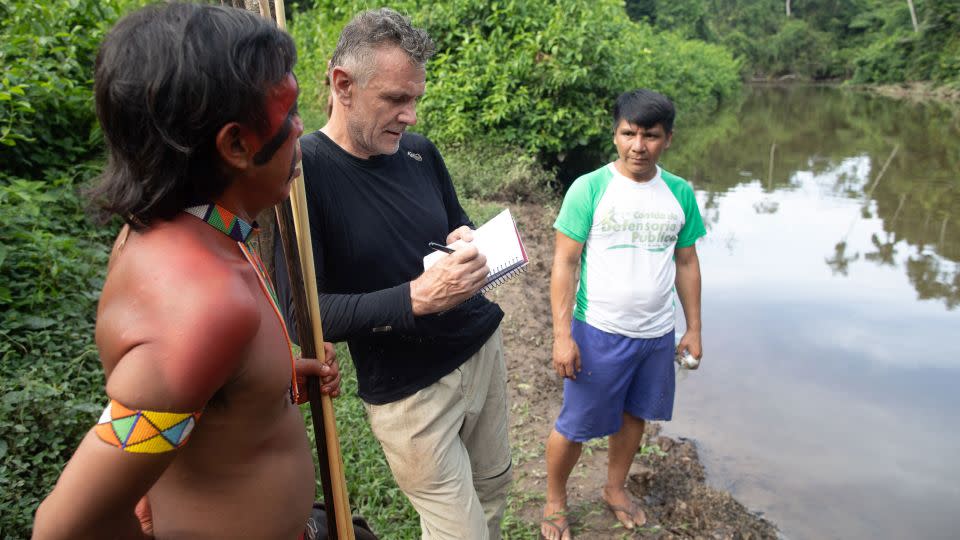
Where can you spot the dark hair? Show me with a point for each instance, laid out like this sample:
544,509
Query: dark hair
644,108
372,29
167,79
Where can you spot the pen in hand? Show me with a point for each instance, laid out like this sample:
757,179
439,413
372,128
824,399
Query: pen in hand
440,247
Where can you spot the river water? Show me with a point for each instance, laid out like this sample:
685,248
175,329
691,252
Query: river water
829,391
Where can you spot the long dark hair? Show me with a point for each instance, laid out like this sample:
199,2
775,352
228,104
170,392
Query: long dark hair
167,79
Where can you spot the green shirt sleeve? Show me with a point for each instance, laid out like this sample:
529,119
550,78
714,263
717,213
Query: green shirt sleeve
576,212
693,223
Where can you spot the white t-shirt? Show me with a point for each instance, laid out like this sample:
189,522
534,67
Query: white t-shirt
630,231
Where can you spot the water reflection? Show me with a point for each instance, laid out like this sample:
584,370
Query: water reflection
902,161
827,394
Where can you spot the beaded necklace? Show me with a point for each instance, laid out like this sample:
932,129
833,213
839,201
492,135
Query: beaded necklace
244,233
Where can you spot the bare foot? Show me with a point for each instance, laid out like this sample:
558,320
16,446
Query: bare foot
626,511
555,525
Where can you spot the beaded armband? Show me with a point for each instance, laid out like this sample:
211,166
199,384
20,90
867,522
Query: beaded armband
147,432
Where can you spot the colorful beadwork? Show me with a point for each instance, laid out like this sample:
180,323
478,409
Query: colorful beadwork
147,432
223,220
228,223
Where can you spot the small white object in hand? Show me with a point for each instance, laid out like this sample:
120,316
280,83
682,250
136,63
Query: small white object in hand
687,360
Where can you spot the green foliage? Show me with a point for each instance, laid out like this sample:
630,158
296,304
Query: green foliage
759,32
798,47
696,75
690,19
315,31
482,170
51,270
543,75
51,259
538,75
899,54
479,210
870,41
883,61
47,50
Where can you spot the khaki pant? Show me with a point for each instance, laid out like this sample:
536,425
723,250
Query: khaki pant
448,449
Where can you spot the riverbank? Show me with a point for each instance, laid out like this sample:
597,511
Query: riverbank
667,477
918,91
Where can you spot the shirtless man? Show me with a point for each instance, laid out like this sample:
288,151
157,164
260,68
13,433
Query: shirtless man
201,438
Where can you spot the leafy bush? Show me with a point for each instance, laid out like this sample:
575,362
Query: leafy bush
870,41
898,54
690,19
542,75
51,260
46,108
696,75
883,61
51,271
481,170
539,75
798,47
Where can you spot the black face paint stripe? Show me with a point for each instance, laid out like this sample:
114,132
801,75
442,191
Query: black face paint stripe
274,144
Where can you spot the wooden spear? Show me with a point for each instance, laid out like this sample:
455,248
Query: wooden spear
303,285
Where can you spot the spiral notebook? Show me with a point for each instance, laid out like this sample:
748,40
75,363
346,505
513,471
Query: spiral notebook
499,240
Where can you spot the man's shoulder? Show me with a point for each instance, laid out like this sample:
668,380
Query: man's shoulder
674,181
170,261
172,296
313,144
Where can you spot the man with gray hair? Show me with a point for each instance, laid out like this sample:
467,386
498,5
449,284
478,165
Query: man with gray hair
426,346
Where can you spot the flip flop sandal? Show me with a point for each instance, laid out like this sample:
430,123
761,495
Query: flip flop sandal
625,510
560,530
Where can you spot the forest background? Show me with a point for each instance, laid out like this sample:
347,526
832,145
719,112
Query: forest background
515,90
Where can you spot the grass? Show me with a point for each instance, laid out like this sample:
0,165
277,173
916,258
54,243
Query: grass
373,492
651,450
480,211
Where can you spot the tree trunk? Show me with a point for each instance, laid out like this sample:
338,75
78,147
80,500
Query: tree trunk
913,16
788,7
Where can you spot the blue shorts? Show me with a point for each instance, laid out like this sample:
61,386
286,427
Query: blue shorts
618,375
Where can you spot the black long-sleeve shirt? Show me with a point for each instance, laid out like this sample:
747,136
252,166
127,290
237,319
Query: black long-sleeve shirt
370,222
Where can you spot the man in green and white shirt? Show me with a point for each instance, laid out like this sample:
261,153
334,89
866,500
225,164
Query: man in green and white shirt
630,228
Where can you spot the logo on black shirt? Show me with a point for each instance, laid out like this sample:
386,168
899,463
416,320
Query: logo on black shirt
417,157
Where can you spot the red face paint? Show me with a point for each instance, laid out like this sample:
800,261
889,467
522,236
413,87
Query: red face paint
280,101
279,106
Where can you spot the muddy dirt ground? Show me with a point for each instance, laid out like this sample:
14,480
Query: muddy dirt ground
667,478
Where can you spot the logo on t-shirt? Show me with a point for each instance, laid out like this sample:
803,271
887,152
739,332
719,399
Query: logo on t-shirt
417,157
637,229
